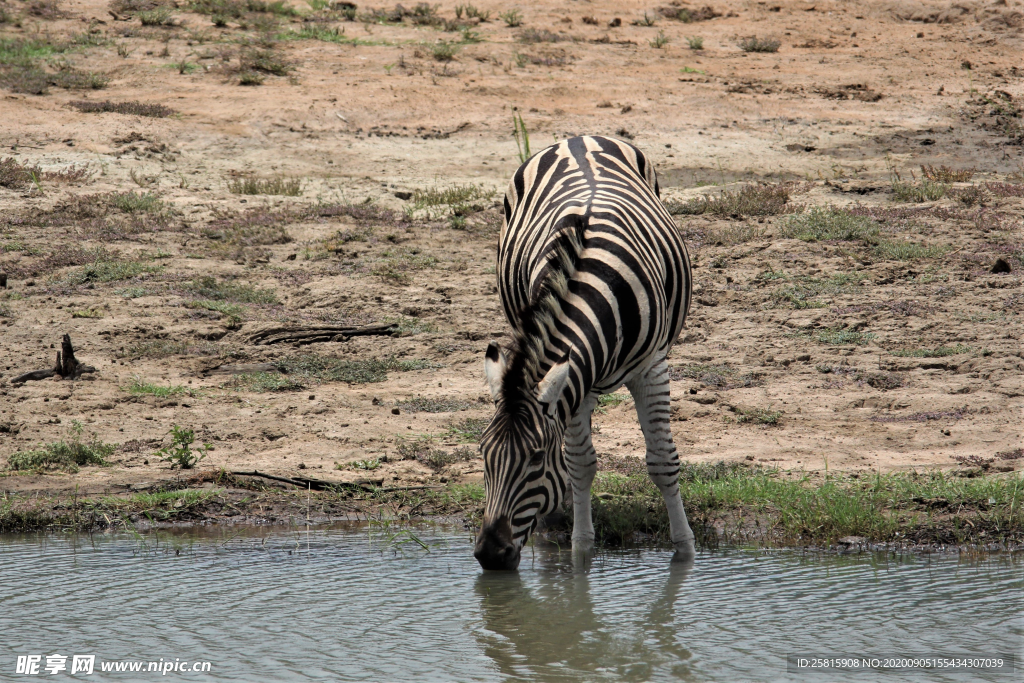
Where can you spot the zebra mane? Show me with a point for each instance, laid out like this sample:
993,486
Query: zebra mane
527,360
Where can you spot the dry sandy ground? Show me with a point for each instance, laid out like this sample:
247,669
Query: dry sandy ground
853,84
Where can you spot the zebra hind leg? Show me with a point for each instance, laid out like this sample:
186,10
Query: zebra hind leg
651,396
581,461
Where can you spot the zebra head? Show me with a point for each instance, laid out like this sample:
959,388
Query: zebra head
524,470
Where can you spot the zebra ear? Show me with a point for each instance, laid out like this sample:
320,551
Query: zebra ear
494,368
550,388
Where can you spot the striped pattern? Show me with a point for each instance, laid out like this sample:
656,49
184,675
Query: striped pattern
595,282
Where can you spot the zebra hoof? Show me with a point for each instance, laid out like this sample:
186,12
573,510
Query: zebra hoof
685,552
583,549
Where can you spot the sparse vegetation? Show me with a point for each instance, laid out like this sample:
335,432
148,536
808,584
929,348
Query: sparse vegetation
755,44
828,223
937,352
444,51
470,430
130,202
273,186
456,200
367,465
842,336
131,108
393,265
907,251
433,405
207,287
760,416
695,43
512,18
803,292
179,453
646,20
140,387
106,271
67,454
299,371
807,509
752,200
158,16
659,41
945,174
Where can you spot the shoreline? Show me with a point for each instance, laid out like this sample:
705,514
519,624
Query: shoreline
726,505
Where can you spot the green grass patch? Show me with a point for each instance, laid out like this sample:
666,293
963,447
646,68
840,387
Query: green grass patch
434,405
106,271
273,186
843,336
760,416
924,191
67,454
300,371
470,430
139,387
926,508
394,264
209,288
233,312
752,200
937,352
87,313
907,251
612,400
456,200
157,504
367,465
262,382
804,291
828,223
756,44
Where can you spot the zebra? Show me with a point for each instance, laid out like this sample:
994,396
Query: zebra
595,281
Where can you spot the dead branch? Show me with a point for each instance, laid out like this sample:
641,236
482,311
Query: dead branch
322,485
324,333
67,366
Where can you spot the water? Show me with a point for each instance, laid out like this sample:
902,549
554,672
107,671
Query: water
263,605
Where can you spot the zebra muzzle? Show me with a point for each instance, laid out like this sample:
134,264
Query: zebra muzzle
494,547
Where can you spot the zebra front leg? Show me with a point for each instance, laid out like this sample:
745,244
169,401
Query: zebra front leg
651,396
581,462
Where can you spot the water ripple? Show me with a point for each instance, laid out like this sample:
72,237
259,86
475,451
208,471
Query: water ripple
332,605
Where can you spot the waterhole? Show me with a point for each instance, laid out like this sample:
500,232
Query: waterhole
361,603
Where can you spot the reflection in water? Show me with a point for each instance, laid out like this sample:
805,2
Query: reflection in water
551,632
268,605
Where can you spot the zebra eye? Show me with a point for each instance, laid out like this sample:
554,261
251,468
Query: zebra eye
536,458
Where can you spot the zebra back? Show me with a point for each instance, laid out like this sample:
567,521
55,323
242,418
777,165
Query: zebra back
591,267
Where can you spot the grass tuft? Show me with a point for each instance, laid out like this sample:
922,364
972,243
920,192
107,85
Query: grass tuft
67,455
273,186
752,200
842,336
937,352
828,223
756,44
133,108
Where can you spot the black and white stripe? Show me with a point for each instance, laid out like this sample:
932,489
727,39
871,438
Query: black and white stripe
595,282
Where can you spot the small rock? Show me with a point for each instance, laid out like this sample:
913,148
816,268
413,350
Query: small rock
396,411
376,401
853,540
291,257
403,195
302,465
312,397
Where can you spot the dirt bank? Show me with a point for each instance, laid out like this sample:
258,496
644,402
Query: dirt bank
891,342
